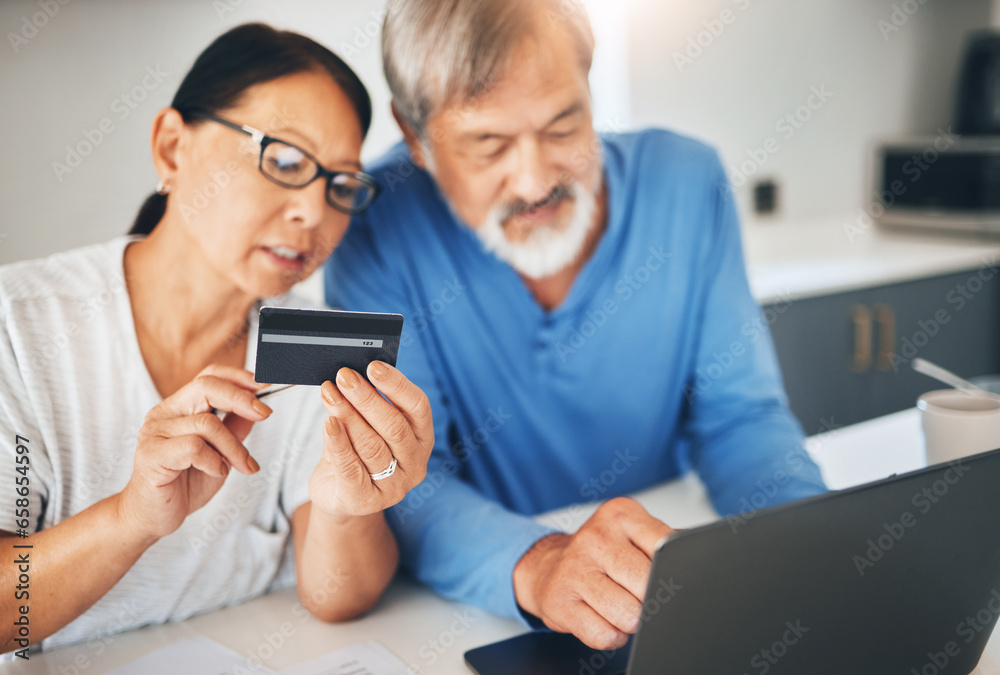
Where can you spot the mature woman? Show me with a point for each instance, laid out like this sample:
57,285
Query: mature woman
151,482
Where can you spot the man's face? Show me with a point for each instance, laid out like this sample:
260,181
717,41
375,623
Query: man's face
521,164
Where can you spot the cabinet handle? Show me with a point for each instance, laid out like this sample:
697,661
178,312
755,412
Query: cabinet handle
862,339
886,336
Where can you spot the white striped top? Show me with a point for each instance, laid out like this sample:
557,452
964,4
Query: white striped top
75,385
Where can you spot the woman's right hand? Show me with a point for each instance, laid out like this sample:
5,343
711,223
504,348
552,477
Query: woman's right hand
184,451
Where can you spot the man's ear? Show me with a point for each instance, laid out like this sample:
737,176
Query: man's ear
168,129
410,138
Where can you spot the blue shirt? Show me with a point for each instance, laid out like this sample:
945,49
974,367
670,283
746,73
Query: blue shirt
657,361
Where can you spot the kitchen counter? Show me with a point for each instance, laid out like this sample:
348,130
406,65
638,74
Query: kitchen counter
833,255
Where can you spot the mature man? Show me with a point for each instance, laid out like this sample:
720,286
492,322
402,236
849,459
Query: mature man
577,311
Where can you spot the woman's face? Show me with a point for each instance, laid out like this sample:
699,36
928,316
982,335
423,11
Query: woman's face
261,236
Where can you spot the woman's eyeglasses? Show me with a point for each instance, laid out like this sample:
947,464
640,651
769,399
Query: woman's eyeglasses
292,167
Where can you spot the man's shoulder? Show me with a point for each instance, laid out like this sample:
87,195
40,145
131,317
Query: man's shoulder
398,176
408,206
656,149
394,155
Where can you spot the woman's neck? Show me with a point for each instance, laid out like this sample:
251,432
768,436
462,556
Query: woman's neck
186,314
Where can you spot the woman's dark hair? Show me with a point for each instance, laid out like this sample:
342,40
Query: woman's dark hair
245,56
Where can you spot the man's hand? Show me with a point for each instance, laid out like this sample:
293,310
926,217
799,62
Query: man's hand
592,583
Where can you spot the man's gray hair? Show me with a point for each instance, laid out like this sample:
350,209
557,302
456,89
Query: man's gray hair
438,52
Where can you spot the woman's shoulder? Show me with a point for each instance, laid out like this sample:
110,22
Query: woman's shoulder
78,273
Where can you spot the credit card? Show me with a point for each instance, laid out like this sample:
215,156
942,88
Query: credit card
309,346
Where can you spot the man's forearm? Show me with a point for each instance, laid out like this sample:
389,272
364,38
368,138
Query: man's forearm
757,464
464,545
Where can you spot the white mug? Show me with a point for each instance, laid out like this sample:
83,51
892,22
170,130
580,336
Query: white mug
957,424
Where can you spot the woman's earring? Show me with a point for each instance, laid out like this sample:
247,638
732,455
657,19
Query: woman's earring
162,189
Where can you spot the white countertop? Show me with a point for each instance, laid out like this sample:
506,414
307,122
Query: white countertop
833,255
432,634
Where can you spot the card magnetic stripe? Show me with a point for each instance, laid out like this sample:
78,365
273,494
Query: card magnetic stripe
319,322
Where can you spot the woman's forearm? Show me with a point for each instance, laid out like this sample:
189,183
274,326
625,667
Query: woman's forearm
68,568
344,565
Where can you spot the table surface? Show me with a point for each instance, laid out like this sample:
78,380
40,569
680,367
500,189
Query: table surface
431,634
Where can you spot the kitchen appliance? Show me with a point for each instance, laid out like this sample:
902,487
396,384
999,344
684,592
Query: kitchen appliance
943,182
950,180
977,110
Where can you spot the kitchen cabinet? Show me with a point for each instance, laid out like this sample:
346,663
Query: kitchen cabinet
845,357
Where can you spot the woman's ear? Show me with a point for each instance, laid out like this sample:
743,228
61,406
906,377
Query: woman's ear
168,130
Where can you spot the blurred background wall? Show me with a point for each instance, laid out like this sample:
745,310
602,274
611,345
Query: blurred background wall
726,71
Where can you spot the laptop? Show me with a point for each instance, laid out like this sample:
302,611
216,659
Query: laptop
897,576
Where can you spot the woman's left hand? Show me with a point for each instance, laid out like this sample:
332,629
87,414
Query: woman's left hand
364,436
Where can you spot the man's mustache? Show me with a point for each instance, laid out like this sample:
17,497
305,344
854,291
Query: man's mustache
519,207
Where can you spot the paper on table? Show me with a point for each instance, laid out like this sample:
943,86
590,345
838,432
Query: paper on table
194,656
366,658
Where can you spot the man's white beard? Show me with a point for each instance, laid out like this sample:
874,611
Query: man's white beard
547,248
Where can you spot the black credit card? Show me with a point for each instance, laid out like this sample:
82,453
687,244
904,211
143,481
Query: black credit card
309,346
